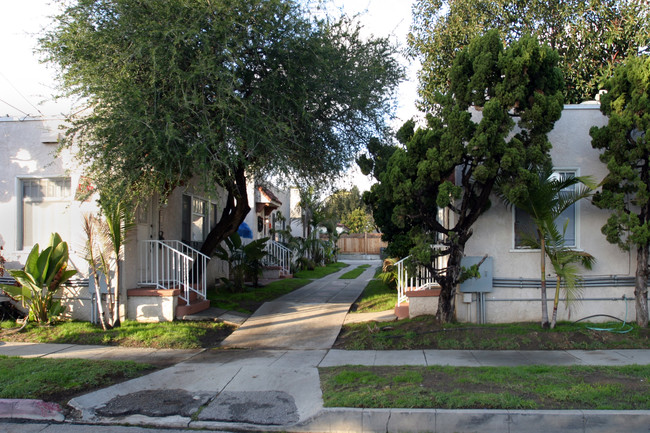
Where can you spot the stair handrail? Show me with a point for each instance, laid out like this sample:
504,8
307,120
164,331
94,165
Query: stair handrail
421,279
167,264
279,255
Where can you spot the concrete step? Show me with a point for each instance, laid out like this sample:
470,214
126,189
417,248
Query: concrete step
193,308
402,311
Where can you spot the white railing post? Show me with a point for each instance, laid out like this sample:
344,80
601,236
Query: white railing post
166,264
279,255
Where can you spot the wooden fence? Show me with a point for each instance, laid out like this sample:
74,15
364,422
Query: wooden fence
363,243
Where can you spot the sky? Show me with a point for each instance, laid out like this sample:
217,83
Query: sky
27,86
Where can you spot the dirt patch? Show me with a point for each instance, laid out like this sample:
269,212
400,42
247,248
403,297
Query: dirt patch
426,333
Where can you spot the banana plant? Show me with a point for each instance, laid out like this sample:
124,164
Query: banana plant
41,279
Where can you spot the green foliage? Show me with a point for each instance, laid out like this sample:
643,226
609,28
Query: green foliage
342,202
41,279
216,90
625,151
452,164
358,221
591,36
244,260
545,197
388,274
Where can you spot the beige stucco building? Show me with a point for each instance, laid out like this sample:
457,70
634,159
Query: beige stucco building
514,294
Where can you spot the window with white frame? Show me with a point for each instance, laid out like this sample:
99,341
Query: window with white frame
43,210
199,217
524,223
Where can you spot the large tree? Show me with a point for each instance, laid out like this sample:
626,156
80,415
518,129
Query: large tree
454,162
626,151
217,90
591,36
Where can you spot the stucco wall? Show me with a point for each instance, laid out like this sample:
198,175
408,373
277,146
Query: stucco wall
494,235
27,149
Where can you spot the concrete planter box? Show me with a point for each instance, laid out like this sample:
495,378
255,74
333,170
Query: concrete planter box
149,305
423,302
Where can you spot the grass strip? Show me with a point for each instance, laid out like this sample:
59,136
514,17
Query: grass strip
425,332
354,273
163,335
377,296
526,387
321,271
249,300
60,379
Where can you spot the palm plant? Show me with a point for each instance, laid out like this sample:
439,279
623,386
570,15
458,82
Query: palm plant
564,261
104,248
545,198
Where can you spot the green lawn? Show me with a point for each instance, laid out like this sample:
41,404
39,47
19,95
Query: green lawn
377,296
167,335
528,387
251,299
425,332
321,271
60,379
354,273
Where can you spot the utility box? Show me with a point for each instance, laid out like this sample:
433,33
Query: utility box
482,284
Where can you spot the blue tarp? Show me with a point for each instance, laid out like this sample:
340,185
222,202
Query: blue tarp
245,231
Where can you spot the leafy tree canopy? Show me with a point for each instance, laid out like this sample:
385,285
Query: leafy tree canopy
218,90
591,36
342,202
624,141
358,221
453,163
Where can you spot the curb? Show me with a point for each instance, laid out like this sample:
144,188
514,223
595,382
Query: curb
36,410
335,420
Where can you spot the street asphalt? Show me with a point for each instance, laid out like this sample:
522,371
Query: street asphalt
265,378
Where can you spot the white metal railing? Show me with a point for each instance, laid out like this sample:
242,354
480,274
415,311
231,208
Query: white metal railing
420,278
173,264
278,255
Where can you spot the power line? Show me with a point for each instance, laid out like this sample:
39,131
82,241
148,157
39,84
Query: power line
15,108
23,96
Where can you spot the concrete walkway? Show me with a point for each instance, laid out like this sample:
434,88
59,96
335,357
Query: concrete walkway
308,318
279,389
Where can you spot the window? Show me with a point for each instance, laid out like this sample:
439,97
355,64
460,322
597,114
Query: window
43,210
524,223
199,217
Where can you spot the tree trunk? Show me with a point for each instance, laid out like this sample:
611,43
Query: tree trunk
234,213
556,301
543,285
641,286
118,295
446,302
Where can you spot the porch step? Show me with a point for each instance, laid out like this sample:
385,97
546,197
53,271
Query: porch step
193,308
402,311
